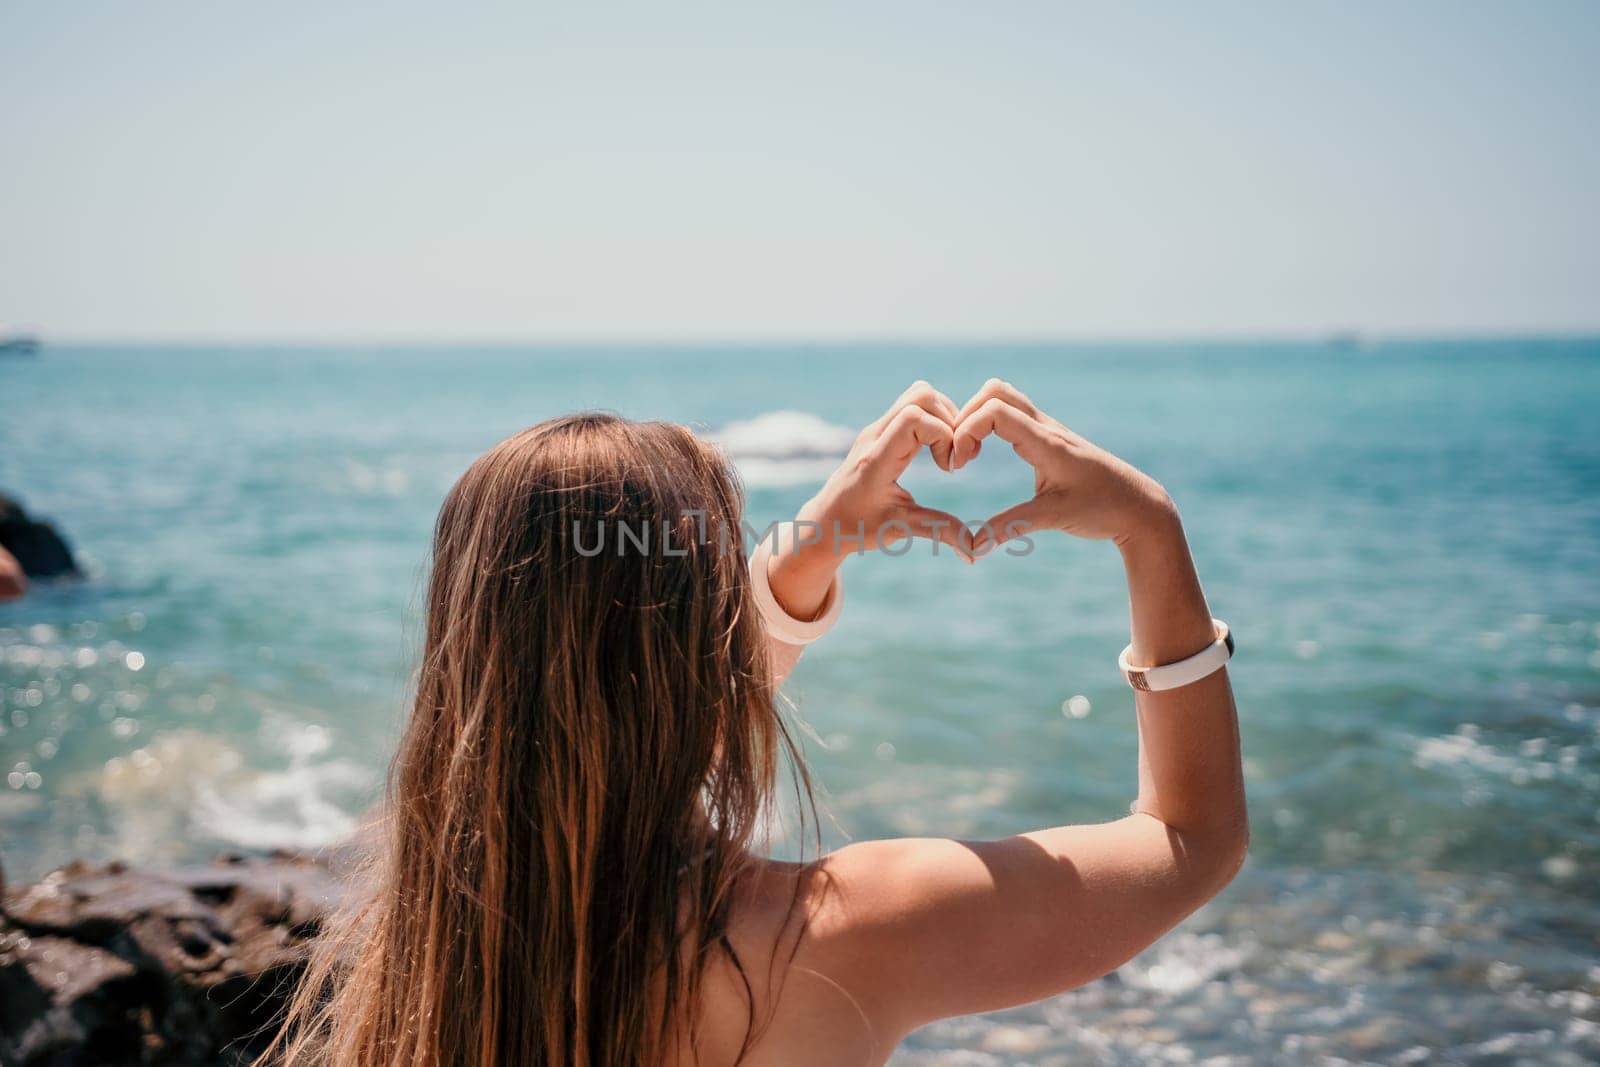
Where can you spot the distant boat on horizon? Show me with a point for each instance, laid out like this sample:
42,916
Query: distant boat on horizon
17,343
1349,340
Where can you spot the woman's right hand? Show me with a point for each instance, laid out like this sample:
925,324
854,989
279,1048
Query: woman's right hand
1078,487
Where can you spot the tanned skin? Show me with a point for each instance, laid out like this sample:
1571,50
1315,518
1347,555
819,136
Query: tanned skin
899,933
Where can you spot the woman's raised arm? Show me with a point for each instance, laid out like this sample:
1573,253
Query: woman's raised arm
919,929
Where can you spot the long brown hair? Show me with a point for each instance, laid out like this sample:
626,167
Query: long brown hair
590,757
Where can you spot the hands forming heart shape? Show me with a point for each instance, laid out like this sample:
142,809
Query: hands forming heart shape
1078,487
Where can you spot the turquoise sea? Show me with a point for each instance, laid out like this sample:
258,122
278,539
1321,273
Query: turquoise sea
1404,536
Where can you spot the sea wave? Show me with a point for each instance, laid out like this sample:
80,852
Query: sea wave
189,785
781,448
1303,966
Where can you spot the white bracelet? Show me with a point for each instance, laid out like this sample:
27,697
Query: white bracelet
780,624
1208,660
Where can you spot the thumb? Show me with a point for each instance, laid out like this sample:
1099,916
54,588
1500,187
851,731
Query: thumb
1003,526
939,526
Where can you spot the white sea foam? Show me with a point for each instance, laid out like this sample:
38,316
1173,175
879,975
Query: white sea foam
288,808
1463,750
186,784
784,435
782,448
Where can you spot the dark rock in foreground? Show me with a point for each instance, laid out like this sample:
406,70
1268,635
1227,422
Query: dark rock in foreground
110,965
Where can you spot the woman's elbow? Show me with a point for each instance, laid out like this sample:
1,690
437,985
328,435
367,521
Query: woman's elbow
1239,849
1227,851
1214,856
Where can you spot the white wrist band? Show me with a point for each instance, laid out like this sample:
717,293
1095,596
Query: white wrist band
1208,660
780,624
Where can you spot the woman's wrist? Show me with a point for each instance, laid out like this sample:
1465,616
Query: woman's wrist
801,567
1153,528
1168,611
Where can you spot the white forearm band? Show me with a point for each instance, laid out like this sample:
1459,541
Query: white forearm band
1208,660
780,624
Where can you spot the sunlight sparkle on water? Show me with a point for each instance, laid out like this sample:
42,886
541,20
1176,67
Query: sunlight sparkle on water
1076,707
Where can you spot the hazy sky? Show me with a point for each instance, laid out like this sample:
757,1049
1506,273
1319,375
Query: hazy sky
680,170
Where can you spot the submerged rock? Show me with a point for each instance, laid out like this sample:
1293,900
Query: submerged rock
41,551
111,965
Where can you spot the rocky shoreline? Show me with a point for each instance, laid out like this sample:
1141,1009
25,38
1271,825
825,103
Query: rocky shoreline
108,964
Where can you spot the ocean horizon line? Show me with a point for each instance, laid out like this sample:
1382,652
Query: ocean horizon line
1351,339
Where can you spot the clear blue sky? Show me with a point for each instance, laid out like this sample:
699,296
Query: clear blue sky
682,170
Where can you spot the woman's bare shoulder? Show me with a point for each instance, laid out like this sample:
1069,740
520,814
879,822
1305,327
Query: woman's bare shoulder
784,931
